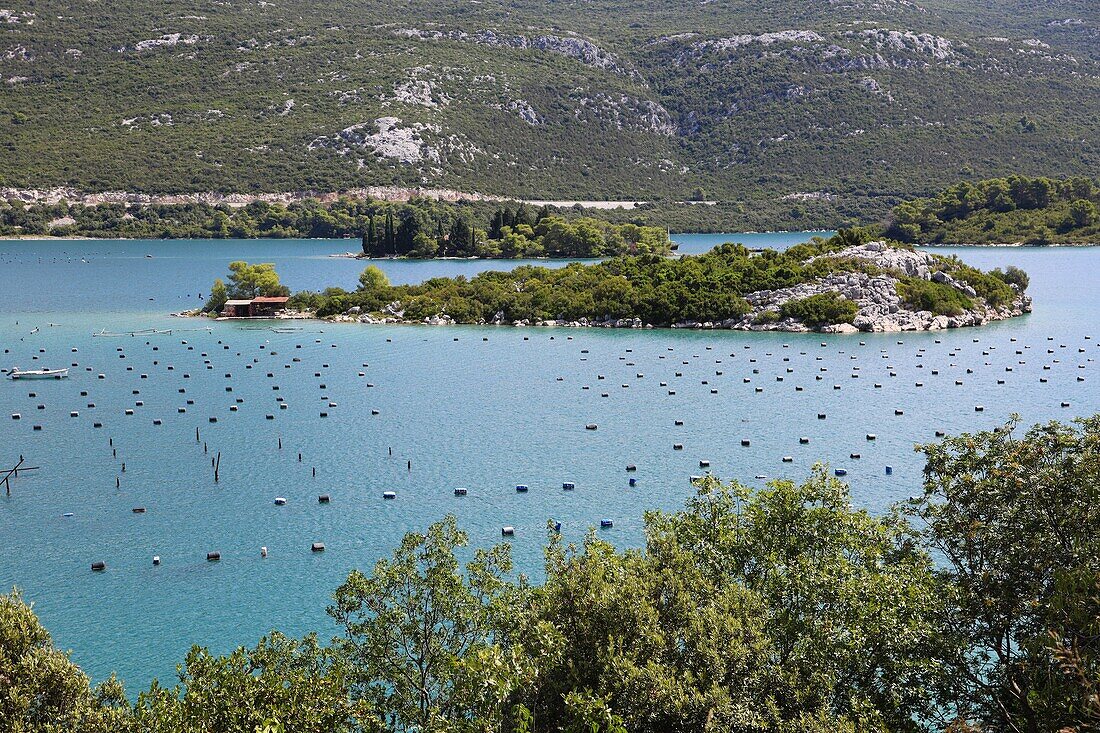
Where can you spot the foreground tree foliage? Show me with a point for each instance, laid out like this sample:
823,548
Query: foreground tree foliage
423,641
282,684
41,689
782,609
776,609
1017,520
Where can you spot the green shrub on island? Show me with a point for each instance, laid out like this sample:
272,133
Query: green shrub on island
657,290
991,288
822,309
938,298
766,317
1013,276
972,606
1034,211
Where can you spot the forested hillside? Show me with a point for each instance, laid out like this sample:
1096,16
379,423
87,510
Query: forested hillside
814,111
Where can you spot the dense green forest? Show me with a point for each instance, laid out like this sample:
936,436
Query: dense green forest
1034,211
837,110
972,607
421,228
657,290
1009,210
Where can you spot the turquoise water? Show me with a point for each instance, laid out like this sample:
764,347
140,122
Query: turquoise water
478,407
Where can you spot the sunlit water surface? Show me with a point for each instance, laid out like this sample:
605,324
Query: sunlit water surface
478,407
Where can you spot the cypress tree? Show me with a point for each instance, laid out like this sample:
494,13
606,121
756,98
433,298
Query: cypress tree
523,215
390,238
496,225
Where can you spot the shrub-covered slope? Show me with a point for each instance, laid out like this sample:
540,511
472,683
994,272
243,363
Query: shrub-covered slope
813,111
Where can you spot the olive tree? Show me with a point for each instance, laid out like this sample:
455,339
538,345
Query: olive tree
1014,518
422,635
41,689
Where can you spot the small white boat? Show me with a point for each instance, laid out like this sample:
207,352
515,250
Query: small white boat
16,373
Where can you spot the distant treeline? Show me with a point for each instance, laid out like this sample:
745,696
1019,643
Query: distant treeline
420,228
1034,211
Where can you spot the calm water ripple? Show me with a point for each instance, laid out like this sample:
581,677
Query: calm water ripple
478,407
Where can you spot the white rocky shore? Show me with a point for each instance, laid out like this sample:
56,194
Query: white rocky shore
880,308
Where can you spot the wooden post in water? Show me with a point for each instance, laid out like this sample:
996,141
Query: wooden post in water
217,466
13,472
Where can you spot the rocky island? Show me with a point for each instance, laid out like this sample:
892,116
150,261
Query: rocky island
840,285
889,299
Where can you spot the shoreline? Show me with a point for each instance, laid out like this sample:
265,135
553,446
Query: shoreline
356,256
1013,245
833,330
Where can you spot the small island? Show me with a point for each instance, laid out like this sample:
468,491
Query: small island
844,284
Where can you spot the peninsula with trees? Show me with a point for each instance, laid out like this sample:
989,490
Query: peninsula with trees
1014,210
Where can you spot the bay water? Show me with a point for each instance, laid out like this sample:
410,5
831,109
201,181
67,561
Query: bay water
420,411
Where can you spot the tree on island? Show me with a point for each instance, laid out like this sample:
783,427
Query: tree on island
252,281
218,295
523,216
389,234
372,278
1082,213
245,282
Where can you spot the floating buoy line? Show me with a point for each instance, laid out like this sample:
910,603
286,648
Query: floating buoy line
741,375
